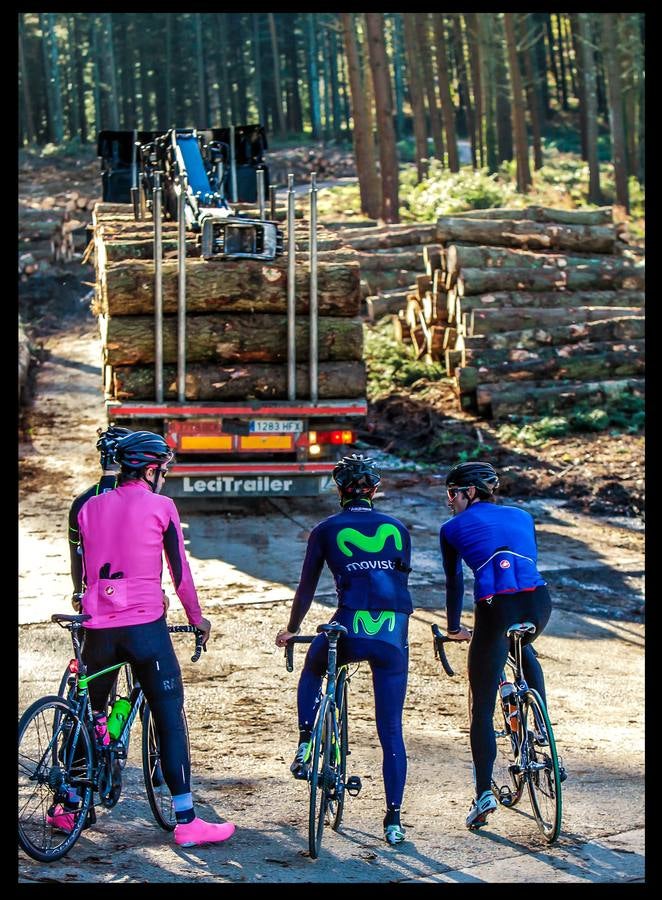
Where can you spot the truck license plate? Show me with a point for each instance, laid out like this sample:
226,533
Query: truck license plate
275,426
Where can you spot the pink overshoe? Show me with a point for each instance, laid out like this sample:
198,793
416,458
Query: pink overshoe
61,820
190,834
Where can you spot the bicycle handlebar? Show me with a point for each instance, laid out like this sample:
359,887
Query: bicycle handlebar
439,640
199,646
289,648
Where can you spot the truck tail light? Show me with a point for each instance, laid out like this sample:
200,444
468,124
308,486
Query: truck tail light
327,437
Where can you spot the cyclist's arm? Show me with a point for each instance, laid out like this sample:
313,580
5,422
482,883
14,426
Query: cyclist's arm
310,573
452,562
180,572
75,558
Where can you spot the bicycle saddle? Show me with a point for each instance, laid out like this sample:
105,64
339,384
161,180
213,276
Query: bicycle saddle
63,617
521,628
331,628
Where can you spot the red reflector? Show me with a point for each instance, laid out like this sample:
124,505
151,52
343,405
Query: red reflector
73,666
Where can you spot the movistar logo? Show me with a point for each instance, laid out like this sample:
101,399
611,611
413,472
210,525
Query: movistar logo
366,543
370,625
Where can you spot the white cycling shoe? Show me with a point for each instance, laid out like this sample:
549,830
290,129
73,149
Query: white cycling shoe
394,834
480,809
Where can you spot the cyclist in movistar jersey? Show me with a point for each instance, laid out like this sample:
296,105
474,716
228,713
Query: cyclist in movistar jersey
498,543
123,536
368,554
108,481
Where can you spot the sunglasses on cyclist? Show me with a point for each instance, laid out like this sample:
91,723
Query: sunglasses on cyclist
454,491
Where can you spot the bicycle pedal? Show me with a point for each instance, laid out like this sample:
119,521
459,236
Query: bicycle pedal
353,785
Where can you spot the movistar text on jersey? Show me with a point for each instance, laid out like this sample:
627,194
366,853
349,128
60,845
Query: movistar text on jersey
371,564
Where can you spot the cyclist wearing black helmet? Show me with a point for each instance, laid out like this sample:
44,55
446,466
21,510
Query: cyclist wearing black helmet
368,554
498,543
123,535
109,469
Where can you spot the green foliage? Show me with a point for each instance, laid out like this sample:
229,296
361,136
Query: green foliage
391,363
623,413
444,192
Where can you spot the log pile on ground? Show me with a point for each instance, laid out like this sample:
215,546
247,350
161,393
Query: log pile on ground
236,316
527,306
52,231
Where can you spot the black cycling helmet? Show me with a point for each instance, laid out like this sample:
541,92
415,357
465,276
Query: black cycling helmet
106,444
356,475
138,449
482,475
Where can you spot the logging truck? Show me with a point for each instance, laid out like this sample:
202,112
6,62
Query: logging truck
218,330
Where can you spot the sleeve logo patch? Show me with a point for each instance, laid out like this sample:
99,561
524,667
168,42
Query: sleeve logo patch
504,564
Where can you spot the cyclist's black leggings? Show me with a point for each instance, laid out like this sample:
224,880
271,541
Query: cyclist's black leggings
149,650
488,651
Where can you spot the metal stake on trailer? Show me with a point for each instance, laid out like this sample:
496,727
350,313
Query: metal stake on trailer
158,288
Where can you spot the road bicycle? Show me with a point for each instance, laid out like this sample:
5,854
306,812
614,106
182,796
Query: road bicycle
526,748
326,766
62,762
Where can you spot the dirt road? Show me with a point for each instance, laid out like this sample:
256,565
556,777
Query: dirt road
241,701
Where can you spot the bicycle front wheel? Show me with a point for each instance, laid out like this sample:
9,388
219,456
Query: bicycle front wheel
318,774
158,793
542,769
339,754
55,766
507,779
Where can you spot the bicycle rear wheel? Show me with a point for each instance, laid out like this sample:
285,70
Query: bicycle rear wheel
339,762
542,770
55,764
318,774
507,779
158,793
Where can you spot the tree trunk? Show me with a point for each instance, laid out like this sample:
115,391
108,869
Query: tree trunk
256,381
520,140
388,155
447,110
392,236
244,285
540,61
398,81
257,337
615,110
110,74
549,33
587,277
601,216
52,73
527,235
496,322
543,300
580,362
463,256
463,84
532,92
423,40
276,70
499,400
25,84
623,326
471,23
369,186
313,76
588,67
487,54
416,98
503,106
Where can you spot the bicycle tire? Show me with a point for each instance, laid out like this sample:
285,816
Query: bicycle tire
542,770
158,793
319,764
507,785
337,806
47,765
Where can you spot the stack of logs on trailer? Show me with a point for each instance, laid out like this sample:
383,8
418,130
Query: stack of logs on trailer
532,310
236,315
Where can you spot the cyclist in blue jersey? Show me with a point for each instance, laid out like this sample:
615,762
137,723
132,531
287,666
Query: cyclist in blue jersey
369,555
498,543
109,471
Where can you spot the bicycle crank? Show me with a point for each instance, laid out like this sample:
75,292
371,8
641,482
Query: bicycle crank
110,783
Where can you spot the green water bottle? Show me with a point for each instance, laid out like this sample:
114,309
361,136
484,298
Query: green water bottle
118,716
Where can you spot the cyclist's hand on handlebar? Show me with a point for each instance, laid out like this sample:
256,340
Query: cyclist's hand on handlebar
283,637
464,634
76,601
166,602
204,625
